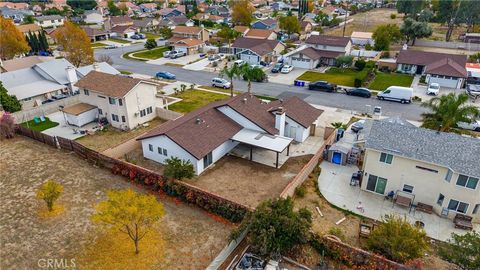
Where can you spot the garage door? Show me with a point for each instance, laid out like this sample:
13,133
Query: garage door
444,82
301,62
181,49
251,59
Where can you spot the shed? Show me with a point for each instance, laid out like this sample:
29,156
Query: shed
80,114
338,154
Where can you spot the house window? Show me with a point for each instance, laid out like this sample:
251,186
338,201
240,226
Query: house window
111,100
426,169
386,158
408,188
120,102
475,209
142,113
159,149
124,119
466,181
448,177
460,207
150,147
149,110
440,199
376,184
207,160
115,117
100,111
86,92
165,153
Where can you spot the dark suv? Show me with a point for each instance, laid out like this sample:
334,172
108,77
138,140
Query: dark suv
322,86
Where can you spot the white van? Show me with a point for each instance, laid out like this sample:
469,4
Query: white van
397,93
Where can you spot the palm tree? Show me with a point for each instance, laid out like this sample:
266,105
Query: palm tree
250,74
231,73
447,111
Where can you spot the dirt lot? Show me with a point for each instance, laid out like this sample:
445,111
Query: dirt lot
192,237
248,182
350,227
110,137
367,21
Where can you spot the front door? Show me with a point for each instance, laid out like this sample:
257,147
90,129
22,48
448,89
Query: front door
207,160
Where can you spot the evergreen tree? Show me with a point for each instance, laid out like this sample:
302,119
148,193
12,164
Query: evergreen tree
36,43
302,8
43,41
33,45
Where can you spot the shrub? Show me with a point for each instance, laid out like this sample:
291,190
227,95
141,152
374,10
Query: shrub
150,44
463,250
300,191
360,64
393,16
178,169
7,126
50,192
338,232
398,240
368,47
423,79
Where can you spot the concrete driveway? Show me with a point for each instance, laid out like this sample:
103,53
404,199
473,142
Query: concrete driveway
184,60
288,78
199,65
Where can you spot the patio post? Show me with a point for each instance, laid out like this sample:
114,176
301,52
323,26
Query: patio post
288,150
251,152
276,163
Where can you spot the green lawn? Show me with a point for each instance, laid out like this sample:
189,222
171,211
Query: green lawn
123,41
149,35
98,45
151,54
124,72
383,80
337,76
40,126
194,99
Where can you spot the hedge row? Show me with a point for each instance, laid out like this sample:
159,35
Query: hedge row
363,74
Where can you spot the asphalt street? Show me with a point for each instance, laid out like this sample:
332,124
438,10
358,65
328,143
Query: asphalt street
336,100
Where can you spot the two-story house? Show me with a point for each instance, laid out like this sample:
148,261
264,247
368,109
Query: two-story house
125,102
190,39
268,24
434,168
319,50
50,21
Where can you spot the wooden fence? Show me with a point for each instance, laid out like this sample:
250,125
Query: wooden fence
289,190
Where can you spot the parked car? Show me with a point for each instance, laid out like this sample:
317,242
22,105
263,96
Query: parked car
433,89
165,75
47,101
220,83
166,54
397,93
357,126
108,47
277,67
177,54
359,92
239,62
474,125
214,57
59,96
137,36
257,66
286,69
322,86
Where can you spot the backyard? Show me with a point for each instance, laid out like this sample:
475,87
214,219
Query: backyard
248,182
110,137
337,76
187,237
151,54
39,125
383,80
194,99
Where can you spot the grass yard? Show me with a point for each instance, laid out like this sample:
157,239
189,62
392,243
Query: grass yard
337,76
124,72
383,80
40,126
110,137
186,237
194,99
150,35
151,54
98,45
123,41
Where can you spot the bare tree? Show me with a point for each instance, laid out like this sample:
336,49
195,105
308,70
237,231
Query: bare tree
105,58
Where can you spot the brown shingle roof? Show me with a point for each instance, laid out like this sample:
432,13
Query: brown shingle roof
328,40
110,85
200,131
78,108
454,67
116,20
241,28
187,29
259,46
300,111
189,42
315,54
258,33
447,67
25,28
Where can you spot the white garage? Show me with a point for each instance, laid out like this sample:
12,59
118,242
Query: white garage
445,81
301,62
252,59
80,114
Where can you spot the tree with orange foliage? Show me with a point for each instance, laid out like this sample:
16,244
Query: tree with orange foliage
13,42
242,12
75,43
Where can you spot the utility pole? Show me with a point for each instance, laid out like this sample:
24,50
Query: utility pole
345,22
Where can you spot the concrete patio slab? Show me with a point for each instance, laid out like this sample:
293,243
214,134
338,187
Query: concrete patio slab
334,184
65,130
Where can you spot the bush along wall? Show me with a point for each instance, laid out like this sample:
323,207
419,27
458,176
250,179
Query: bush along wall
229,210
363,74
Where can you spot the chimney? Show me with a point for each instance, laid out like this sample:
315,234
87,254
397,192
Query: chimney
280,120
71,76
96,67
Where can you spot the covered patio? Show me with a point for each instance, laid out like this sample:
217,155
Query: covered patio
263,148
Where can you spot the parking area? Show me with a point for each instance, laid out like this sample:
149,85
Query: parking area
184,60
288,78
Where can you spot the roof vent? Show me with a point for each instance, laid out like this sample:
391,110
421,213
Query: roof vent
198,121
244,100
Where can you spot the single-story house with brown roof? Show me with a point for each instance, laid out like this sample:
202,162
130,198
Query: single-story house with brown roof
189,45
261,34
253,50
448,70
207,134
123,31
125,102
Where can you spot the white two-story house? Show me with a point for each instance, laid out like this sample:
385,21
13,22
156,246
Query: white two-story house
319,50
50,21
434,168
125,102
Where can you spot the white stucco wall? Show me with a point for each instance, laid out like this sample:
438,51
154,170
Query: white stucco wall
427,185
83,118
347,48
301,133
240,119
